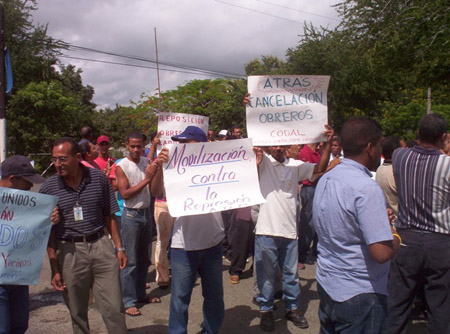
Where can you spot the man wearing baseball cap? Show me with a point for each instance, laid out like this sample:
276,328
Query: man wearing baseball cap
17,173
104,161
196,248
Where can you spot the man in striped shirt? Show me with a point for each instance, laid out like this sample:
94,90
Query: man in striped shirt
422,175
81,254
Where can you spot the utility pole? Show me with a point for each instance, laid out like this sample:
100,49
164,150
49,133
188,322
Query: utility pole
157,72
429,101
2,86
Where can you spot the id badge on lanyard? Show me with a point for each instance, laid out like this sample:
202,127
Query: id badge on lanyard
78,212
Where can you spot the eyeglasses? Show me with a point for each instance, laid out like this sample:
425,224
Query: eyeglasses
60,159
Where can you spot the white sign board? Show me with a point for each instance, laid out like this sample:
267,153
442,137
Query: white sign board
208,177
288,109
172,124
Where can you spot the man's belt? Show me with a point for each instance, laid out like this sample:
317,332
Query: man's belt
85,238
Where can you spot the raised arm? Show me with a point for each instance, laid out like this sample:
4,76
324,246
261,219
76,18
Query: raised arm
157,183
323,163
128,192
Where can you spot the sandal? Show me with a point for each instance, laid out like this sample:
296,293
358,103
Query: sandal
153,300
133,312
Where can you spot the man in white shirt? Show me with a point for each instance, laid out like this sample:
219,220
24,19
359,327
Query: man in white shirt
276,231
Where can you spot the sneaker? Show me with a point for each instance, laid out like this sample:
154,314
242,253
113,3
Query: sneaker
266,324
298,319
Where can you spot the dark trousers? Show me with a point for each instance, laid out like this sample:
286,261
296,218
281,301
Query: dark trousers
242,243
423,260
228,217
306,230
365,313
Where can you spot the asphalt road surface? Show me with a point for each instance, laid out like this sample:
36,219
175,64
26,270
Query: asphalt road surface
49,315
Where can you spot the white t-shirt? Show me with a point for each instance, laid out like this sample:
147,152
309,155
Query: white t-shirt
279,184
135,173
198,232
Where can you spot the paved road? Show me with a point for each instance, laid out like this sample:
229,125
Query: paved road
49,315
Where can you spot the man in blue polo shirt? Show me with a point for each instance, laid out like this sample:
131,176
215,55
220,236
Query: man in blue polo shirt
355,239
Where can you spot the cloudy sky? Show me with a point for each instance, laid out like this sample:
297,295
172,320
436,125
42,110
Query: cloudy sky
207,34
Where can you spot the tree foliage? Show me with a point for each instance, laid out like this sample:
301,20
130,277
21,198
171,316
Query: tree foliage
220,100
32,51
43,111
46,103
117,123
380,53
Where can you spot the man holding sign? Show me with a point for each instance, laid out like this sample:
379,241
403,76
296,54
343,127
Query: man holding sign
17,173
195,249
276,229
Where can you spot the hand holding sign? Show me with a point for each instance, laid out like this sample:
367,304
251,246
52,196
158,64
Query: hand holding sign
209,177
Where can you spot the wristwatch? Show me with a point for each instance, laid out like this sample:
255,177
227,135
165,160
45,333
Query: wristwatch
121,249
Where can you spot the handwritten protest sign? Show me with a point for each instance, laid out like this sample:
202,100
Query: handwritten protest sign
24,230
172,124
206,177
285,110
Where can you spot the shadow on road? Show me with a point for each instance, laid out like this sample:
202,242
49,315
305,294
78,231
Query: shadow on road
45,299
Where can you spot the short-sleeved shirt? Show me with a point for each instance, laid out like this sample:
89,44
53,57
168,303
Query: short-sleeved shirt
349,213
308,155
120,200
279,183
422,176
386,181
198,232
94,195
102,163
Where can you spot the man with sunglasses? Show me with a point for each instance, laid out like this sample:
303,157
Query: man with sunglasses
81,254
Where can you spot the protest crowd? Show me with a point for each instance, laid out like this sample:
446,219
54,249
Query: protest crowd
381,241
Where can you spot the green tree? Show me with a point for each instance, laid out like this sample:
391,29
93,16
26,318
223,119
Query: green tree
401,118
117,123
42,112
219,99
32,51
266,66
45,103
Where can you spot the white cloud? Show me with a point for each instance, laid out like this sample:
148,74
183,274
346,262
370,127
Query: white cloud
202,33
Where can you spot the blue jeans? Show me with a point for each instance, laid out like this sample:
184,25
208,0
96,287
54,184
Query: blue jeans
185,267
136,237
270,253
365,314
14,309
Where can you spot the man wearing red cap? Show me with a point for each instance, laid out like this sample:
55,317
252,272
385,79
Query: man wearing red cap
104,161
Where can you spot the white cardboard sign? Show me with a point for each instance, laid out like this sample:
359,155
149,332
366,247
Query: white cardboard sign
208,177
172,124
288,109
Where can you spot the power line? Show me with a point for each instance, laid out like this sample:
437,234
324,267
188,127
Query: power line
166,63
258,11
298,10
141,66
